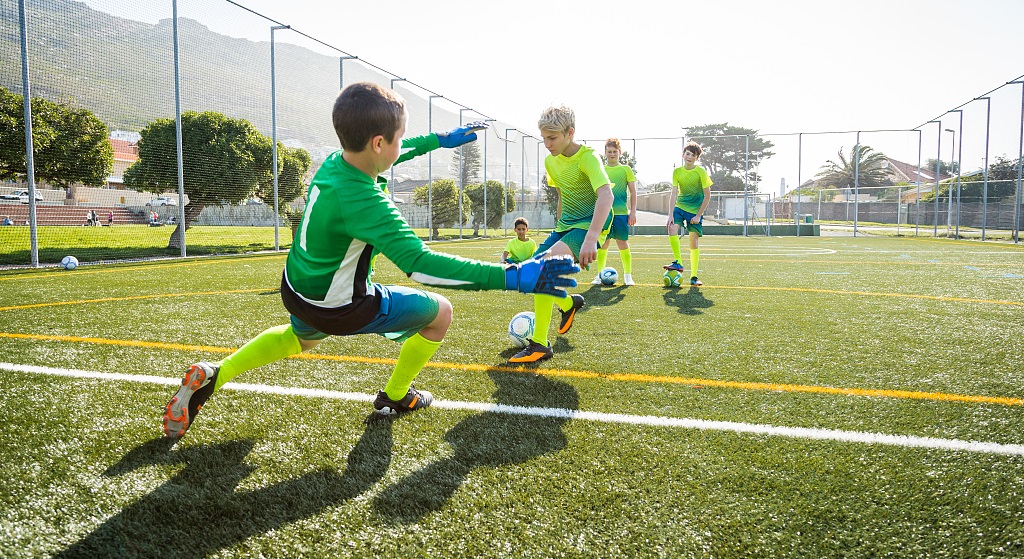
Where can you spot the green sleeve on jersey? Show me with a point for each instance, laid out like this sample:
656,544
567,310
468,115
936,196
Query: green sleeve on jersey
417,146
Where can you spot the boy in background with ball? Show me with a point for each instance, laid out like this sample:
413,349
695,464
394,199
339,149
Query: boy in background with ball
691,187
584,211
327,284
623,211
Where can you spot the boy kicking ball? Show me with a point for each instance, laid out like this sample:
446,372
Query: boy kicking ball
327,285
584,206
691,187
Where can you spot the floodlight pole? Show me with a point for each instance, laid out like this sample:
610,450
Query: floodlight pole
430,168
273,137
938,173
856,183
917,213
341,70
799,167
177,132
746,179
504,196
486,131
984,188
959,170
462,181
391,183
952,157
539,142
1020,168
30,167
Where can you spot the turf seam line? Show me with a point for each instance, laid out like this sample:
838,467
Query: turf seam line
837,435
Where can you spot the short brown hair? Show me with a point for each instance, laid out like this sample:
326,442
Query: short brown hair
520,220
613,143
693,147
364,110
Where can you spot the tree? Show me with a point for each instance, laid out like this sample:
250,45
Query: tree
224,160
292,176
1002,179
724,151
444,203
470,163
70,144
866,165
495,210
944,168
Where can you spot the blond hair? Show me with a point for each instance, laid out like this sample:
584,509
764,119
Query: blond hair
557,119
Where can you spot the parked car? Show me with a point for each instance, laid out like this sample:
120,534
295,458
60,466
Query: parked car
21,196
163,201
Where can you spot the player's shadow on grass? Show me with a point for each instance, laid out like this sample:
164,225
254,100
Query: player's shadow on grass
489,439
687,300
603,296
199,511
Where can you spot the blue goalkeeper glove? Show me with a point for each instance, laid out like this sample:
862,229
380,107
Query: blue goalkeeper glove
542,276
459,136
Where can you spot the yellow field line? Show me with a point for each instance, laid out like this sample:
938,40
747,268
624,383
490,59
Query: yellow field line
617,377
133,298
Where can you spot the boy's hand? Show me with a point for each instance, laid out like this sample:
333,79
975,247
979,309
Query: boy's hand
461,135
545,276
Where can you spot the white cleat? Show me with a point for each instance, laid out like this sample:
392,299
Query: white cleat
597,280
627,279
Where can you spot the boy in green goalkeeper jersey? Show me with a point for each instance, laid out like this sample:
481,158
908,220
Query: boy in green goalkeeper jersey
691,187
522,247
584,211
623,211
327,282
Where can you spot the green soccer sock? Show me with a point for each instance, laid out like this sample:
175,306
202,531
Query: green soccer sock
602,258
694,260
542,309
415,353
627,261
673,241
271,345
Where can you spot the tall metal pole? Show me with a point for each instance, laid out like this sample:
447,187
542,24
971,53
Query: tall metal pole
273,133
746,179
1020,168
430,169
177,133
522,171
504,196
462,181
341,70
30,166
391,183
952,158
486,132
856,183
938,173
539,142
959,168
799,168
984,188
917,218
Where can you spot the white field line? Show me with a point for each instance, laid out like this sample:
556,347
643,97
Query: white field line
862,437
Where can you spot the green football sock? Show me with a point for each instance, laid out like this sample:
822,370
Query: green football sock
542,309
602,258
627,261
271,345
694,260
415,353
673,240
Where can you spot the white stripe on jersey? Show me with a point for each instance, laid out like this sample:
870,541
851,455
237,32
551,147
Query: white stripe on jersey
427,279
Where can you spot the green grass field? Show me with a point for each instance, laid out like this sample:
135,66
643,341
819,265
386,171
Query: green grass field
819,397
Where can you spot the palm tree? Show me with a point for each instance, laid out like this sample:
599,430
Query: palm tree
841,173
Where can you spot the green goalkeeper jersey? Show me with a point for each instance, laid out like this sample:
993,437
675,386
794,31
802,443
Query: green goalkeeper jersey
577,179
620,176
348,220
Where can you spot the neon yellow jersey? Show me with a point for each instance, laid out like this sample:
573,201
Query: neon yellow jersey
519,251
577,179
621,176
691,184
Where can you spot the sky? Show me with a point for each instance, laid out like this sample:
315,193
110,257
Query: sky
647,69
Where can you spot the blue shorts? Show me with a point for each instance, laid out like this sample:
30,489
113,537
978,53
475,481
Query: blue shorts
573,238
403,312
620,228
682,218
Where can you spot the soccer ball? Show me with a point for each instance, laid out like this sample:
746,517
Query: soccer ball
69,263
671,278
609,276
521,327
